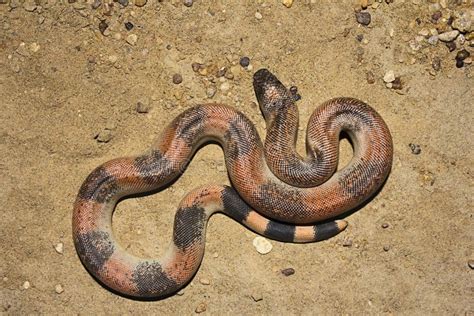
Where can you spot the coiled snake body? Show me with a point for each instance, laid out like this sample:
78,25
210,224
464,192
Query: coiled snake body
275,192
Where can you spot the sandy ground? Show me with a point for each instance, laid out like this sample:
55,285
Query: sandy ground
69,99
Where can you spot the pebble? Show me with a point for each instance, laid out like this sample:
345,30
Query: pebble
225,86
142,107
140,3
196,66
58,289
244,61
389,76
96,4
470,263
22,50
132,39
204,281
287,3
464,22
257,297
103,26
436,16
211,92
104,136
370,77
436,63
288,271
177,78
451,46
128,26
123,2
386,248
433,40
59,247
385,225
201,308
26,285
459,63
397,84
29,5
262,245
258,15
448,36
463,54
188,3
363,17
347,242
415,148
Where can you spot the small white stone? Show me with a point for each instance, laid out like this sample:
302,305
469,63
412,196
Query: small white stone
262,245
287,3
58,289
113,58
389,76
258,15
132,39
59,247
34,47
225,86
433,40
448,36
443,4
26,285
204,281
424,32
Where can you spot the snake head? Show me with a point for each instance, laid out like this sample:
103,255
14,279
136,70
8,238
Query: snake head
271,94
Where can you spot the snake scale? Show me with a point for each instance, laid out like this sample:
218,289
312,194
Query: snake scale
275,191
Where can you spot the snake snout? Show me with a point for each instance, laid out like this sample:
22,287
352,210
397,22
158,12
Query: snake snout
270,92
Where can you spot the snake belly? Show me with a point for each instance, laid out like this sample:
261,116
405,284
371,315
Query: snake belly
275,191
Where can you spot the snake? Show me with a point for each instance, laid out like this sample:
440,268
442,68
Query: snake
275,191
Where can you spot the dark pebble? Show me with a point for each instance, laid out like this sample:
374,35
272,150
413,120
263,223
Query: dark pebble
128,26
415,149
385,225
451,46
436,16
71,1
386,248
142,108
462,54
360,37
177,78
244,61
450,20
188,3
370,77
347,243
397,84
363,18
103,26
294,92
288,271
196,66
123,2
436,63
388,1
459,63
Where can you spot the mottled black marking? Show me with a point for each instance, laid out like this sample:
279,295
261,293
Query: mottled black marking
356,179
362,115
240,137
189,224
279,231
234,206
325,231
94,249
284,204
99,186
152,281
153,167
191,124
